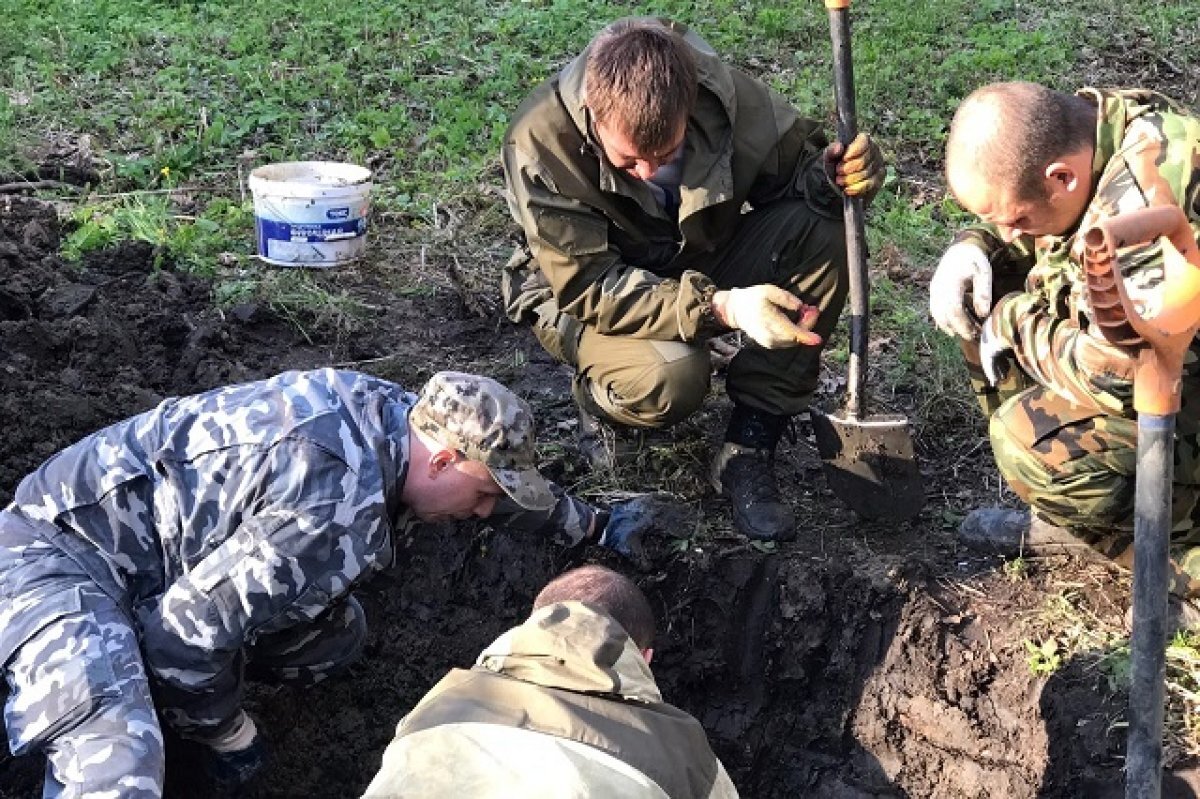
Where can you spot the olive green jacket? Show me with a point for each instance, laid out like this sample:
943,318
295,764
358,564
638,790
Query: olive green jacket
611,256
562,706
1147,152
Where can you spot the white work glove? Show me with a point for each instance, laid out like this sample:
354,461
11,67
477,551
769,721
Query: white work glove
993,355
761,313
964,269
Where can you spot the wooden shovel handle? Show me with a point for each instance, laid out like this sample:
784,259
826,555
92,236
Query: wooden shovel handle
852,210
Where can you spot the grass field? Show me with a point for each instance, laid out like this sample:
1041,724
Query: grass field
176,94
191,95
177,99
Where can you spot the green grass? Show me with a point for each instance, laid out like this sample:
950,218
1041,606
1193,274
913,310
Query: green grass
190,94
1066,629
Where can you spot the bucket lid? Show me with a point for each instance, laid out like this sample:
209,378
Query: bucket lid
308,178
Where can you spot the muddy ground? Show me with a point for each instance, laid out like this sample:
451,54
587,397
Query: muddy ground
858,661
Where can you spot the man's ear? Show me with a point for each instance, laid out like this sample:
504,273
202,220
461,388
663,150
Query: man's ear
441,460
1061,178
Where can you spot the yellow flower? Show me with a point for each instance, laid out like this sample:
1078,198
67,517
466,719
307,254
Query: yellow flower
165,171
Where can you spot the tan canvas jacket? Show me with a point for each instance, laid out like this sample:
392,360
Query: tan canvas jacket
562,706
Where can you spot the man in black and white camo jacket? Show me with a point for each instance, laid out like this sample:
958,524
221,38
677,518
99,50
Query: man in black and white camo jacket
224,533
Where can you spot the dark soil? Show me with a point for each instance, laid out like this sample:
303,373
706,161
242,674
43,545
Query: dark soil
861,660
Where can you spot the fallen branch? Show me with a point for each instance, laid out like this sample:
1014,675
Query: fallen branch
33,185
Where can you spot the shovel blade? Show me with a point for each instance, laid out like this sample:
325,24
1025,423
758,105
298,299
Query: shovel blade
869,464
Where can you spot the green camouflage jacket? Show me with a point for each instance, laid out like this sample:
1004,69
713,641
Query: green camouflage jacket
612,257
1147,153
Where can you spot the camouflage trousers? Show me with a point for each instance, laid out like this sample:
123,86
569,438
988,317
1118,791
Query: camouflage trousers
79,690
644,383
316,651
77,684
1076,468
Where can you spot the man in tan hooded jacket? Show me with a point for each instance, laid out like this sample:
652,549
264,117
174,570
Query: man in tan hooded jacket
562,706
667,198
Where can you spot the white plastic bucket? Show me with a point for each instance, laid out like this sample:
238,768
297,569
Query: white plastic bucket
310,213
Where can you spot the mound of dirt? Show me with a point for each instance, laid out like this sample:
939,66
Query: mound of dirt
858,661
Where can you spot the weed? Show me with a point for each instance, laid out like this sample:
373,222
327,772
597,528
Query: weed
298,296
1043,657
1016,570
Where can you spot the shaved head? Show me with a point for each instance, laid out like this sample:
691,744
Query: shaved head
1006,134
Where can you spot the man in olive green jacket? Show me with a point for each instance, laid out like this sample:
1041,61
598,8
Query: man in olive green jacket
562,706
667,198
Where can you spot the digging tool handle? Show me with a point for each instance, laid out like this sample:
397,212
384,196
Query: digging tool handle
1162,341
1151,574
856,236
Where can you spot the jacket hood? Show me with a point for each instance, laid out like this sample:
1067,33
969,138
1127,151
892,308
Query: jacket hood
573,646
712,75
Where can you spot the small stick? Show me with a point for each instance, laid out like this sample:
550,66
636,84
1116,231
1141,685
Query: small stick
31,185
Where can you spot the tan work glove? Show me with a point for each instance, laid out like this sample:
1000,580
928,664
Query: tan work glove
858,169
964,271
762,313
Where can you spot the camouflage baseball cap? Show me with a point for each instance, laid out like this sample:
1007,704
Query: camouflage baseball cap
487,423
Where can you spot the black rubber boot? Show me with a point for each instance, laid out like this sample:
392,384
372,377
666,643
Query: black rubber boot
1011,533
744,471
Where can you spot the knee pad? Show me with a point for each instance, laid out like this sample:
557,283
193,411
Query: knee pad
657,394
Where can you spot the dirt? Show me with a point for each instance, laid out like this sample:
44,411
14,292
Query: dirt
862,660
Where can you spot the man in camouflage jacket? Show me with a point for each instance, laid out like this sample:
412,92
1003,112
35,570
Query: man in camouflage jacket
666,198
562,705
146,568
1038,167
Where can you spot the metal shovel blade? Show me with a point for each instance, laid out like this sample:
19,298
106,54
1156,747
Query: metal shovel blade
869,464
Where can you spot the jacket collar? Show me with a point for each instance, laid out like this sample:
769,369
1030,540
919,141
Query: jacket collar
573,646
1116,111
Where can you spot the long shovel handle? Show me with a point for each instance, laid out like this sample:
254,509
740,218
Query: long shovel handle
856,235
1161,341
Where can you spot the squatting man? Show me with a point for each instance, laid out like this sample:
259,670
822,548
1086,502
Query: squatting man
1038,166
148,569
666,198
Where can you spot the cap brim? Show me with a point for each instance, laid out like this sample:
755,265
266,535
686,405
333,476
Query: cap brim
526,488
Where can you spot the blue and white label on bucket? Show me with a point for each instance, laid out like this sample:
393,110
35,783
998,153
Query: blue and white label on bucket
337,213
310,232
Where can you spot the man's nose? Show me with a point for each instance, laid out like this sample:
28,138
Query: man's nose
485,507
645,169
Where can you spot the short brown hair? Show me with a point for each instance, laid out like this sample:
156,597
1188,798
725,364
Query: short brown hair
607,591
641,78
1012,131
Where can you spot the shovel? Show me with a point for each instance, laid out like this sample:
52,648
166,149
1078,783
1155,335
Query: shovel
1161,342
868,460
